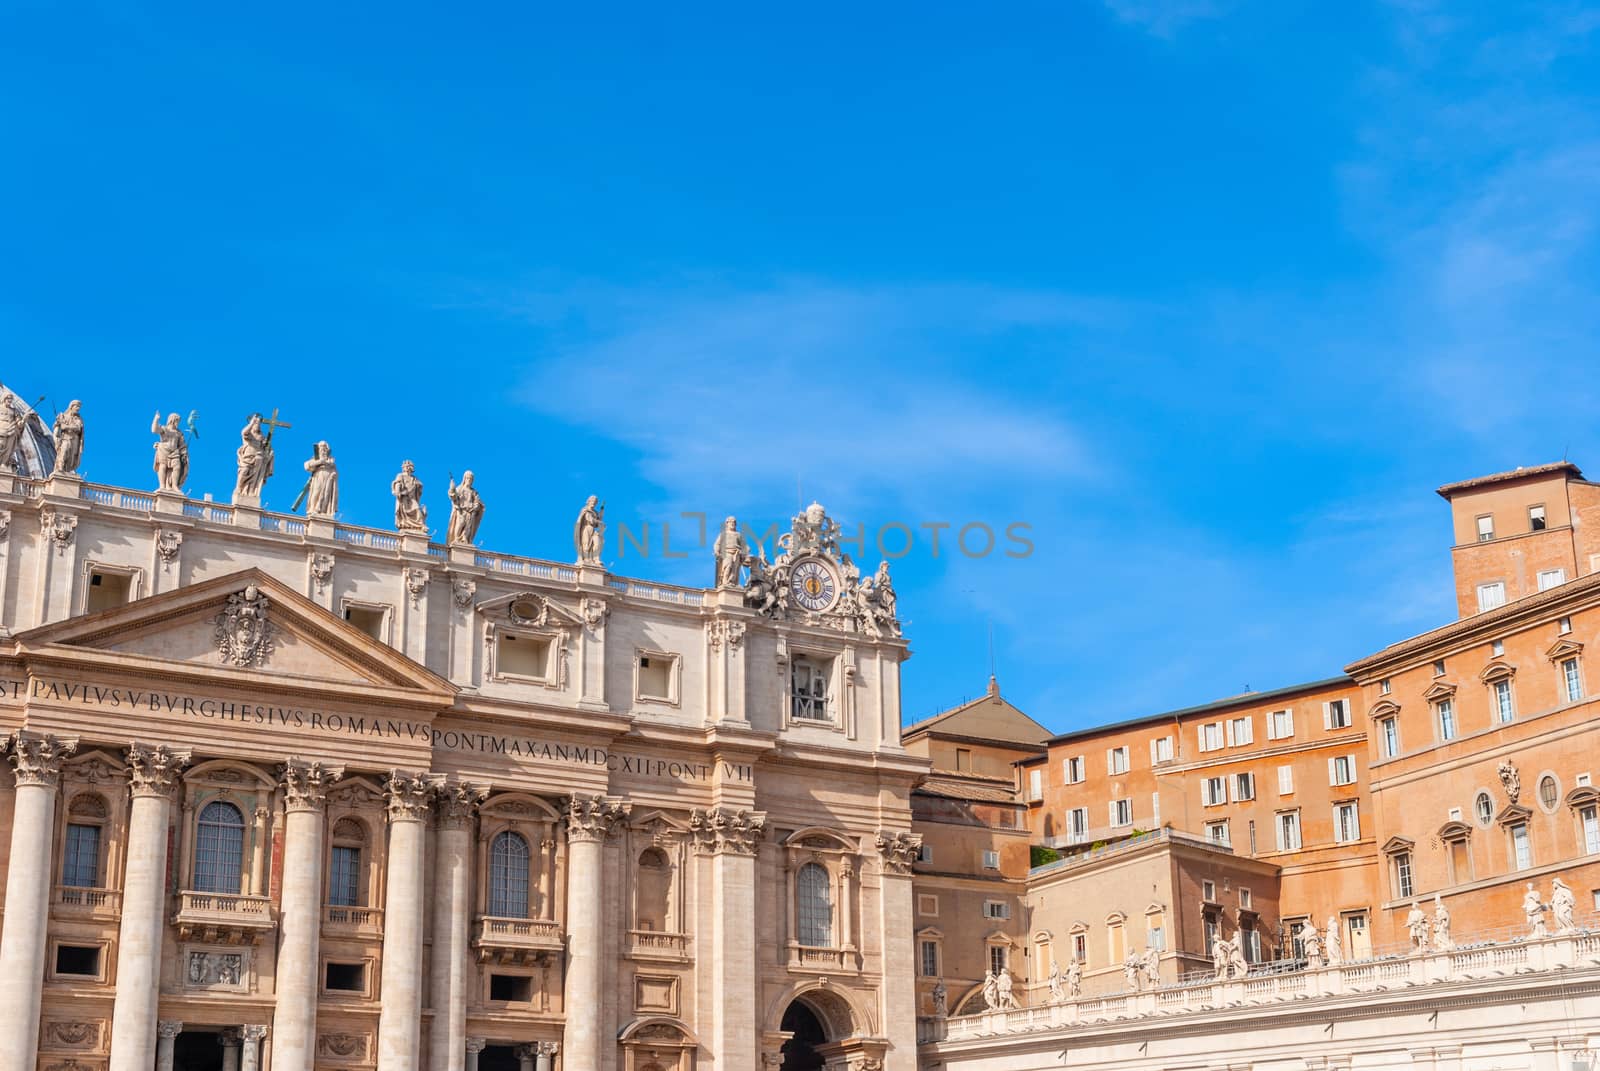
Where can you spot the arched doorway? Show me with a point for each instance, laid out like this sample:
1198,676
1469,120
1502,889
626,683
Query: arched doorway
807,1035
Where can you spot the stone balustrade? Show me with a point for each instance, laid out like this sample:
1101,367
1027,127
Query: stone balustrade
653,944
229,917
341,921
74,902
516,941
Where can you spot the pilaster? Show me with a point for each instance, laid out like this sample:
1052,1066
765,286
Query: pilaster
896,926
733,838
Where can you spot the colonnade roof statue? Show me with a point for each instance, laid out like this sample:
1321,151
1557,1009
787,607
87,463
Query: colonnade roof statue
26,446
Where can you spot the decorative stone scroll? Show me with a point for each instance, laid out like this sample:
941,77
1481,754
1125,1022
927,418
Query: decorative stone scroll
60,527
168,543
594,818
458,800
899,850
243,633
306,784
463,590
321,570
725,631
410,795
726,829
153,769
416,578
37,758
1510,780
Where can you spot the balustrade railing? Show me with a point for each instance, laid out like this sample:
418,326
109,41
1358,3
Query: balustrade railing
359,921
73,899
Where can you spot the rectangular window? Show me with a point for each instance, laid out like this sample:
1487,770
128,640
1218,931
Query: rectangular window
1536,518
1116,948
991,860
1210,924
1402,874
1117,760
1208,891
1161,749
658,677
345,977
108,590
996,909
1245,900
1214,791
1121,813
1564,626
1285,780
1036,784
924,852
80,866
1217,832
997,959
1491,595
1521,846
1297,943
522,656
1503,708
1155,932
1485,528
1336,714
1346,823
1252,945
1078,824
1549,578
1288,828
1080,947
1445,709
1240,731
1497,648
82,960
373,620
1389,733
808,684
1280,725
1590,817
344,876
1072,770
1244,787
1460,862
963,760
930,959
1342,770
1211,736
1570,679
512,988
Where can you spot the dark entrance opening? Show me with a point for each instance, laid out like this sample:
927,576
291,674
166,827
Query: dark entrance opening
499,1058
800,1051
197,1050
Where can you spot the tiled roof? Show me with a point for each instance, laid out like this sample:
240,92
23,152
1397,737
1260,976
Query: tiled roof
1515,474
966,787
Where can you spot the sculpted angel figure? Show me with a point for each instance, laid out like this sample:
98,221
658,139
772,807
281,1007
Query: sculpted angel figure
410,515
730,551
1442,941
68,434
255,459
13,422
1562,903
322,489
172,453
466,510
1533,911
589,532
1417,926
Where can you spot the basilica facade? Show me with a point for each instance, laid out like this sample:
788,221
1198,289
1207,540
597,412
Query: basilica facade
286,792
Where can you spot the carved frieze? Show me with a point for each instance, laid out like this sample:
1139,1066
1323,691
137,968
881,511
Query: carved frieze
206,970
81,1034
342,1047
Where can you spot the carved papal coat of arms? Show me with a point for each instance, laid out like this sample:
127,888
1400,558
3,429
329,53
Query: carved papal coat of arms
244,635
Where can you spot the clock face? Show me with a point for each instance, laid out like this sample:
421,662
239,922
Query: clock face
812,585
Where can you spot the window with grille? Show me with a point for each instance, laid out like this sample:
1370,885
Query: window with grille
1446,711
1402,874
80,865
1570,679
813,906
808,683
930,959
344,876
219,848
508,876
1483,807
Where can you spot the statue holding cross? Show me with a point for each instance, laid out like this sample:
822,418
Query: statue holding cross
255,457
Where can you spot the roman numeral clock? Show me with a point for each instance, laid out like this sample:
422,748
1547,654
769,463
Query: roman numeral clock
813,585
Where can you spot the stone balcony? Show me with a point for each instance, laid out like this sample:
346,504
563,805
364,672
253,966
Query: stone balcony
73,902
655,945
519,942
353,922
822,960
223,918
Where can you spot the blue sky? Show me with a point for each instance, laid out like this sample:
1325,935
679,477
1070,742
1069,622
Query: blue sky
1210,295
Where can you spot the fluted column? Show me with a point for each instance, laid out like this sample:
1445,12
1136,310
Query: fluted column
452,909
229,1040
250,1052
399,1017
153,774
732,838
37,762
895,930
167,1031
590,820
544,1057
294,1019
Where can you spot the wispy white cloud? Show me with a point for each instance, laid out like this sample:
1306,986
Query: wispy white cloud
1164,18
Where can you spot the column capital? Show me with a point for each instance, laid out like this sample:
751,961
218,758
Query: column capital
477,1044
253,1033
305,784
167,1029
229,1036
410,795
546,1048
153,769
458,801
899,850
37,757
772,1059
527,1052
593,818
727,829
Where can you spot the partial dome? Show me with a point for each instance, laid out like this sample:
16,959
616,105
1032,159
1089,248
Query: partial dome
36,452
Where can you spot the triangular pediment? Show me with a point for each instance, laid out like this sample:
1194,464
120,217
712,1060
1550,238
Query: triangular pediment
244,623
1439,691
1564,649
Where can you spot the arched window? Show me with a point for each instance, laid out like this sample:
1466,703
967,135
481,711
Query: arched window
653,891
508,876
814,907
219,848
346,882
80,859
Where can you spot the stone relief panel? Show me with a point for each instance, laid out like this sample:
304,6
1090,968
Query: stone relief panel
339,1047
216,969
73,1034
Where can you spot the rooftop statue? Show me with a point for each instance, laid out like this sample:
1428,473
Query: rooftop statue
255,456
13,422
68,435
466,510
321,492
730,551
589,531
410,515
172,453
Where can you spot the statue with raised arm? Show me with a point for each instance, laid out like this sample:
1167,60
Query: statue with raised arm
13,422
322,485
68,434
1442,941
172,453
589,532
1075,977
410,515
466,511
1533,912
255,456
730,551
1054,981
1417,926
1562,904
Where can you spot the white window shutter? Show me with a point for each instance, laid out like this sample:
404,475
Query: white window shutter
1155,809
1111,811
1110,767
1249,731
1327,715
1333,773
1289,718
1153,751
1277,829
1200,737
1227,731
1272,726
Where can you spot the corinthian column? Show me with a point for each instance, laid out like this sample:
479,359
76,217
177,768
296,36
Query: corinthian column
448,1044
899,851
732,838
153,774
590,820
294,1020
399,1017
37,762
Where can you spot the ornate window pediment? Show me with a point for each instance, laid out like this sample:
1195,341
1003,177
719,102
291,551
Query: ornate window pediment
1116,918
1564,648
1383,708
1513,813
1438,691
1454,830
931,933
1497,670
1583,796
529,610
820,839
1398,844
